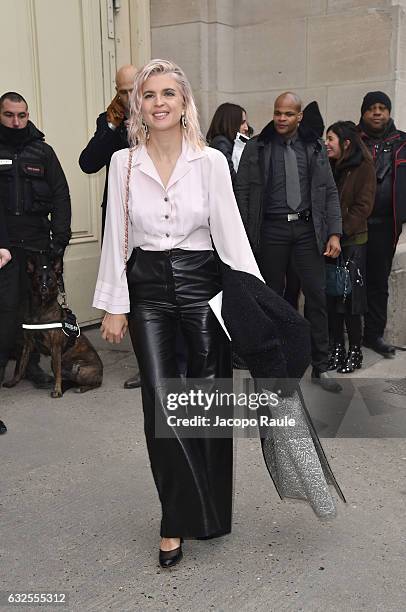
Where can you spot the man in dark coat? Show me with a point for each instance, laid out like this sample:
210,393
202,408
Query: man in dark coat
5,257
388,148
111,136
36,202
111,131
290,207
5,254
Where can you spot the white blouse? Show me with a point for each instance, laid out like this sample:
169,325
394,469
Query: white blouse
197,202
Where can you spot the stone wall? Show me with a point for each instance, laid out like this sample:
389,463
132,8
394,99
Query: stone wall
396,328
332,51
249,52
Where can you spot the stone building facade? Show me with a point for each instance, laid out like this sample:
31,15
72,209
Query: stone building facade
332,51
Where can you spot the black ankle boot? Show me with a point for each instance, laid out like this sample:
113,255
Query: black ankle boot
337,356
352,361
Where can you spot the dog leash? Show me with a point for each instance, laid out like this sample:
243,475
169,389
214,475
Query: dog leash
62,292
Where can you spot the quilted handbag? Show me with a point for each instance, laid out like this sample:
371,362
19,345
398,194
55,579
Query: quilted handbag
338,280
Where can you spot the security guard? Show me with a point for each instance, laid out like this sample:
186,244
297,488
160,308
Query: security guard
35,197
5,257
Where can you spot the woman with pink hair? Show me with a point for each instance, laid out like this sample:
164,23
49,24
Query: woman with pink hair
170,199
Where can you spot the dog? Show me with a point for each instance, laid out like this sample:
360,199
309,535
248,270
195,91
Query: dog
74,361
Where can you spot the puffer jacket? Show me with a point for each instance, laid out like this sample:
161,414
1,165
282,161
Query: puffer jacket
34,192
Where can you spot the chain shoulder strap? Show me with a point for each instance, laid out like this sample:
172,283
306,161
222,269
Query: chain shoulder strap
127,197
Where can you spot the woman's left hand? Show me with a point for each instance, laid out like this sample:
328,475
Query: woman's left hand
333,248
5,257
114,327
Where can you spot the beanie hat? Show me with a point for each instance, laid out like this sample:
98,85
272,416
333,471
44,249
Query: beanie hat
375,97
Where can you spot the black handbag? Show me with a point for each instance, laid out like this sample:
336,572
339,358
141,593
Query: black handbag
338,280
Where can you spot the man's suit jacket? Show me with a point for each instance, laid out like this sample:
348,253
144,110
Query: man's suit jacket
253,175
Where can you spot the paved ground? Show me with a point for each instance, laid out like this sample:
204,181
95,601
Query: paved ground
79,511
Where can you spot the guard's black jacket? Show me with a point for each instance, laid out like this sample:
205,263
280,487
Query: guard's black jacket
4,240
33,191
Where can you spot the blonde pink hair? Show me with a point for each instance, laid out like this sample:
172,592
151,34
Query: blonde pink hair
136,132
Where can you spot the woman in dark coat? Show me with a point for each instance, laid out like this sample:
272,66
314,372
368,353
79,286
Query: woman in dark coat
356,182
228,120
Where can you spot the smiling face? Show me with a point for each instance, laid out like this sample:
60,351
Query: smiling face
336,149
162,103
333,145
376,117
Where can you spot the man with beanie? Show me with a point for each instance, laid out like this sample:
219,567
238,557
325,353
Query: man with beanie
35,198
388,149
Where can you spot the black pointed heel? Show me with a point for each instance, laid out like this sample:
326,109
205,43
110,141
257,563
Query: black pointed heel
170,558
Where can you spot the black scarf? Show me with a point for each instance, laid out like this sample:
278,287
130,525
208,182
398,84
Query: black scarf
390,129
15,138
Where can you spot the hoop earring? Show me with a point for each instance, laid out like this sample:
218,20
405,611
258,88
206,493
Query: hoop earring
183,120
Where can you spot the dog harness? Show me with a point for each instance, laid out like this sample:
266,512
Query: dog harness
69,326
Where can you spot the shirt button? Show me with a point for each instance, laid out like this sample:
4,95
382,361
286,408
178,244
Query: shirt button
167,235
166,216
165,199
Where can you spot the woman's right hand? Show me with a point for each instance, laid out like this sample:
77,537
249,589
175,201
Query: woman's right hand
114,327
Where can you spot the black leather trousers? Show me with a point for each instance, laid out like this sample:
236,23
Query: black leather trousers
169,290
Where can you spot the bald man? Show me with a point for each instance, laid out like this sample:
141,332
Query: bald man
289,204
111,131
111,136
